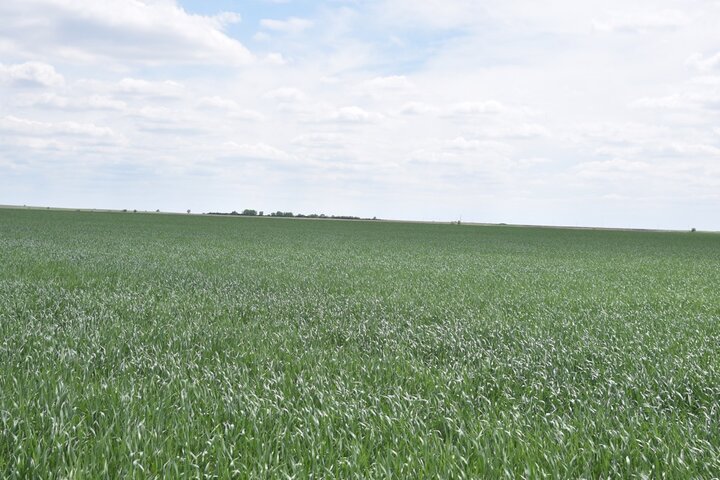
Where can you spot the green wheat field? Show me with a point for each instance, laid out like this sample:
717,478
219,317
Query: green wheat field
179,346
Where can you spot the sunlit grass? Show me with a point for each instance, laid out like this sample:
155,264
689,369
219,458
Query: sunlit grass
137,345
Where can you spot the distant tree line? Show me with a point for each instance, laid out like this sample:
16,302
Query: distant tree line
255,213
281,214
245,213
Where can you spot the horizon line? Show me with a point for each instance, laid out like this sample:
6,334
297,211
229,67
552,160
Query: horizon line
358,219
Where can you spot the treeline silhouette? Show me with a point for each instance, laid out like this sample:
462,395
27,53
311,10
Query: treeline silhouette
255,213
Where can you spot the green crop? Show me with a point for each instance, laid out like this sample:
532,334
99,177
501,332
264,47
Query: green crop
165,346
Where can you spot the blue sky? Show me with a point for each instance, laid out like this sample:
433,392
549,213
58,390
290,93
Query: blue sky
596,113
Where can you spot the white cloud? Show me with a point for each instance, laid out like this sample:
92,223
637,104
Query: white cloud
614,133
320,140
392,82
258,151
464,145
164,89
661,148
707,80
290,25
614,168
231,107
161,124
99,102
655,178
160,120
286,95
352,114
247,115
387,88
533,162
692,149
261,37
131,30
687,100
158,114
476,108
275,58
31,74
442,14
670,101
224,19
516,130
460,143
22,126
92,102
218,103
417,108
705,63
643,22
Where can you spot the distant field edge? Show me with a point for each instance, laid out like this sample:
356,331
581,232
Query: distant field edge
383,220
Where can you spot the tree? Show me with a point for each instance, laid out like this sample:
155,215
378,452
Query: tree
249,213
188,211
281,214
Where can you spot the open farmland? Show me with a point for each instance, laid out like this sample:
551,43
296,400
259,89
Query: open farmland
151,346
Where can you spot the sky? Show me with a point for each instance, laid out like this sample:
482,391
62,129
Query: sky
561,112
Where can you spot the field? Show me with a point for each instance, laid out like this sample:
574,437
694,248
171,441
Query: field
165,346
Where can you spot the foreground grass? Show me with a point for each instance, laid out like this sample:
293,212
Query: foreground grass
154,346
